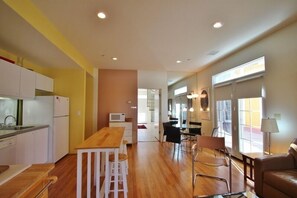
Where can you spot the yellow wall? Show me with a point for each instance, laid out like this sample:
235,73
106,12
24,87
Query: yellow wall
89,106
25,63
30,13
71,83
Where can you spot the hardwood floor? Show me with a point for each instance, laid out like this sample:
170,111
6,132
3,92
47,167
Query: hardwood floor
154,171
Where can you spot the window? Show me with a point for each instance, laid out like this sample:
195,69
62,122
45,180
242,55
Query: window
252,67
180,90
249,121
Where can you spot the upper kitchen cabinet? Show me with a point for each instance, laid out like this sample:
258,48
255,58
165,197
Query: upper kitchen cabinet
9,79
44,83
16,81
27,84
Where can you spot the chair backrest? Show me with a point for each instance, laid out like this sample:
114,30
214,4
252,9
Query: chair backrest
173,134
165,126
173,122
195,123
211,142
195,131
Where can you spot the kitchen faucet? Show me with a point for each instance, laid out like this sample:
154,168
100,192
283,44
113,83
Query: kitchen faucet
11,116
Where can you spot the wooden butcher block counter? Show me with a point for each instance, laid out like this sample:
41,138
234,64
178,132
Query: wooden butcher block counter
32,182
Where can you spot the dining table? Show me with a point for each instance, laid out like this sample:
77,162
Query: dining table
184,131
105,141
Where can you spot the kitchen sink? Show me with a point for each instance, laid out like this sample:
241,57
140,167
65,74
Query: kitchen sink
15,127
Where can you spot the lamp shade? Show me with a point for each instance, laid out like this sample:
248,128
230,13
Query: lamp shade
269,125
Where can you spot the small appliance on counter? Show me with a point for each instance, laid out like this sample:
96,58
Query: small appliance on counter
117,117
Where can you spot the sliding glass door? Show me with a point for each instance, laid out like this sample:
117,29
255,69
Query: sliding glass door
249,122
238,115
224,121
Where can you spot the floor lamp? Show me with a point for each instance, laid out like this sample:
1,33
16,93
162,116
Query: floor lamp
269,125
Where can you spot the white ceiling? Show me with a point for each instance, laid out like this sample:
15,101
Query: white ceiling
146,35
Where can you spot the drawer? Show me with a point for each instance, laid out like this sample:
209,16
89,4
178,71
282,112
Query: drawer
127,125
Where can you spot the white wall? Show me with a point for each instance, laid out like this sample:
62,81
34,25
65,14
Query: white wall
280,80
155,80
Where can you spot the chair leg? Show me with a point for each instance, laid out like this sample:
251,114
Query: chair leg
217,178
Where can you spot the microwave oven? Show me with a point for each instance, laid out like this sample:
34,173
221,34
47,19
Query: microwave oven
117,117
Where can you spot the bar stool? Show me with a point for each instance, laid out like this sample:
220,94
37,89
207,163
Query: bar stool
124,145
121,172
124,150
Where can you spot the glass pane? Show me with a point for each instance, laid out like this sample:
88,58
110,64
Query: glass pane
224,121
250,135
252,67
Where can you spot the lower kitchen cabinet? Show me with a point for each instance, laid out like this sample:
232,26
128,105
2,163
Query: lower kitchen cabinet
32,147
128,129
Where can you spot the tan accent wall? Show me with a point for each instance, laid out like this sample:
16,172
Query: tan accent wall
115,89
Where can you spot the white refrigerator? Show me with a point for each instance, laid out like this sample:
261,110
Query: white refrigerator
52,111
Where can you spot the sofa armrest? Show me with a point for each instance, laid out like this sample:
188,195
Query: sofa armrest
270,162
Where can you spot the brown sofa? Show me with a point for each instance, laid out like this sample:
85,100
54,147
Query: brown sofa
276,175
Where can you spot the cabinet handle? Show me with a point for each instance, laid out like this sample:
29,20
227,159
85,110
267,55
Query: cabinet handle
51,180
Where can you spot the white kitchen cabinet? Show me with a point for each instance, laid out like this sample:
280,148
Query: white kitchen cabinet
32,147
44,83
9,79
27,84
128,129
40,146
24,148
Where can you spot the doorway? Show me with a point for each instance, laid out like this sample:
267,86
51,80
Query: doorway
148,115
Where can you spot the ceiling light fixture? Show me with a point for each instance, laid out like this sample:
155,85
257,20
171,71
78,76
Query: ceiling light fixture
178,61
101,15
114,58
218,25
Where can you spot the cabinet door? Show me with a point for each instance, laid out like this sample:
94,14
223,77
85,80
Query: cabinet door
40,146
44,83
27,84
24,148
9,79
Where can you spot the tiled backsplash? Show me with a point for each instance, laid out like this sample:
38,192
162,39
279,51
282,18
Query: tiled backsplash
8,107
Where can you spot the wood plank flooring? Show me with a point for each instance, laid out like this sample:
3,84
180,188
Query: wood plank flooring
154,171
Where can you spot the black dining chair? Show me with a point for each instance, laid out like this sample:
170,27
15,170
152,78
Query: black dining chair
173,135
195,130
165,128
195,123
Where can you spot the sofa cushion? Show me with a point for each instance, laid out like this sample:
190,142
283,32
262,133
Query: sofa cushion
284,181
293,151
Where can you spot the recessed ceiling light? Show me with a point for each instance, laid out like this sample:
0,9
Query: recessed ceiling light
218,25
101,15
114,58
178,61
